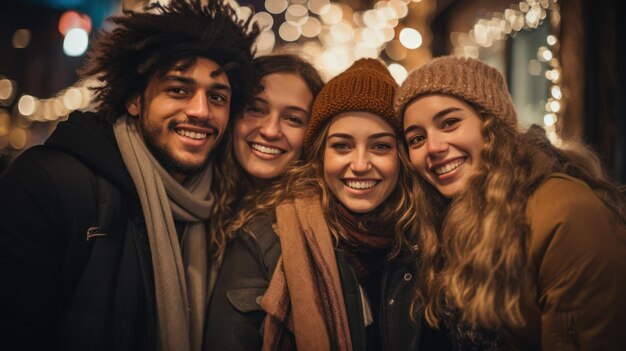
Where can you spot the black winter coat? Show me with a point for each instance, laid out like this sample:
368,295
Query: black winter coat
235,317
75,267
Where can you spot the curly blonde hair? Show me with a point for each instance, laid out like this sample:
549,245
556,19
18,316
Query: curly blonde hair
306,178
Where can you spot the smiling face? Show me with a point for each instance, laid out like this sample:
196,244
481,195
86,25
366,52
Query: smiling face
270,134
183,115
444,135
361,163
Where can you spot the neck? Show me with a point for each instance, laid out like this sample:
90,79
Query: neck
259,183
179,177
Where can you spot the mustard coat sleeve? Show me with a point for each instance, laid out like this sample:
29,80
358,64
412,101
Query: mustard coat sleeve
578,253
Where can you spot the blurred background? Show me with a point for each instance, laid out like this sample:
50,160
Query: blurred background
564,60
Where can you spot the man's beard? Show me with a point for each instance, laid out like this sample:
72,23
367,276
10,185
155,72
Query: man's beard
162,153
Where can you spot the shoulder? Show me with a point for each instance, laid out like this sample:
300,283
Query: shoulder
562,200
40,166
568,221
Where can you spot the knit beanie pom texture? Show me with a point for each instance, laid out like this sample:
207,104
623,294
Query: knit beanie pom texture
366,86
467,79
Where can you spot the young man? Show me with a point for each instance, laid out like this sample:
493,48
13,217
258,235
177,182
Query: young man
103,229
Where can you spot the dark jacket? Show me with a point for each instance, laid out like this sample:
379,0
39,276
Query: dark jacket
235,316
75,267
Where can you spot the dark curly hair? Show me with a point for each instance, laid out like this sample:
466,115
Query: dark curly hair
148,43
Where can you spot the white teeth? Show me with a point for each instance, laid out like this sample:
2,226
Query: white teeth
266,150
449,167
361,184
190,134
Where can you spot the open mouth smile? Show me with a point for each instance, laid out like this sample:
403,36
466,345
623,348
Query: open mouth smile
266,149
191,134
448,167
361,184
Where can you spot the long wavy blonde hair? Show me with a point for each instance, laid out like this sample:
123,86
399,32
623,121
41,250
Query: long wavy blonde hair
472,251
306,178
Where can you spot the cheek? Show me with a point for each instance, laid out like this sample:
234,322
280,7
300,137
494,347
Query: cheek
240,129
332,169
295,139
239,142
394,170
476,148
417,159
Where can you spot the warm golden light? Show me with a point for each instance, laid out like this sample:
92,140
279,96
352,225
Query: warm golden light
17,138
398,72
264,20
276,6
289,32
27,105
21,38
410,38
6,89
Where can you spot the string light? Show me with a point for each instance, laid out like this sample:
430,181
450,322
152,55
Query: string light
527,15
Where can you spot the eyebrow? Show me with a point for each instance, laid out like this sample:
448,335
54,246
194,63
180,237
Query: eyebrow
437,115
373,136
291,107
191,81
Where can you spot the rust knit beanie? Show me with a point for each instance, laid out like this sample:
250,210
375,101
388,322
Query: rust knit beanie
366,86
467,79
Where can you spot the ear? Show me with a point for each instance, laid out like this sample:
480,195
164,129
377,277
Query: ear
133,105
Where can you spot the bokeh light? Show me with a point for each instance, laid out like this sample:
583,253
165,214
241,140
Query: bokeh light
21,38
398,72
410,38
276,6
289,32
264,20
27,105
76,42
17,138
72,19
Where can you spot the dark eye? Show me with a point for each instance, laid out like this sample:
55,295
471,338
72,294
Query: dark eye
340,146
294,120
176,91
416,140
254,109
218,98
447,123
381,146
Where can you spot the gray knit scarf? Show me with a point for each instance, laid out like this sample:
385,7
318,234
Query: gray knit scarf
182,278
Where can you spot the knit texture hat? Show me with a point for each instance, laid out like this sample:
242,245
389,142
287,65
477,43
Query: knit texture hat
366,86
467,79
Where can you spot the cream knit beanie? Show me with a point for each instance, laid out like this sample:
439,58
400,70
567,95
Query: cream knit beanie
467,79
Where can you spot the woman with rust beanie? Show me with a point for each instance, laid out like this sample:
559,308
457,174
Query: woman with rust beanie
522,245
341,281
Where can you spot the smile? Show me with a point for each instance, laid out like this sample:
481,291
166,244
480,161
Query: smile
266,149
449,167
361,184
191,134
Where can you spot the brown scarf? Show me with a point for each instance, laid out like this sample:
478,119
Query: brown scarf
366,240
305,295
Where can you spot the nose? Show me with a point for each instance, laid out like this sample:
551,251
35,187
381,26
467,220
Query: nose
198,106
360,162
270,127
436,145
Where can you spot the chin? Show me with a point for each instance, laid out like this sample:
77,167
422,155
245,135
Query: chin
264,175
358,208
